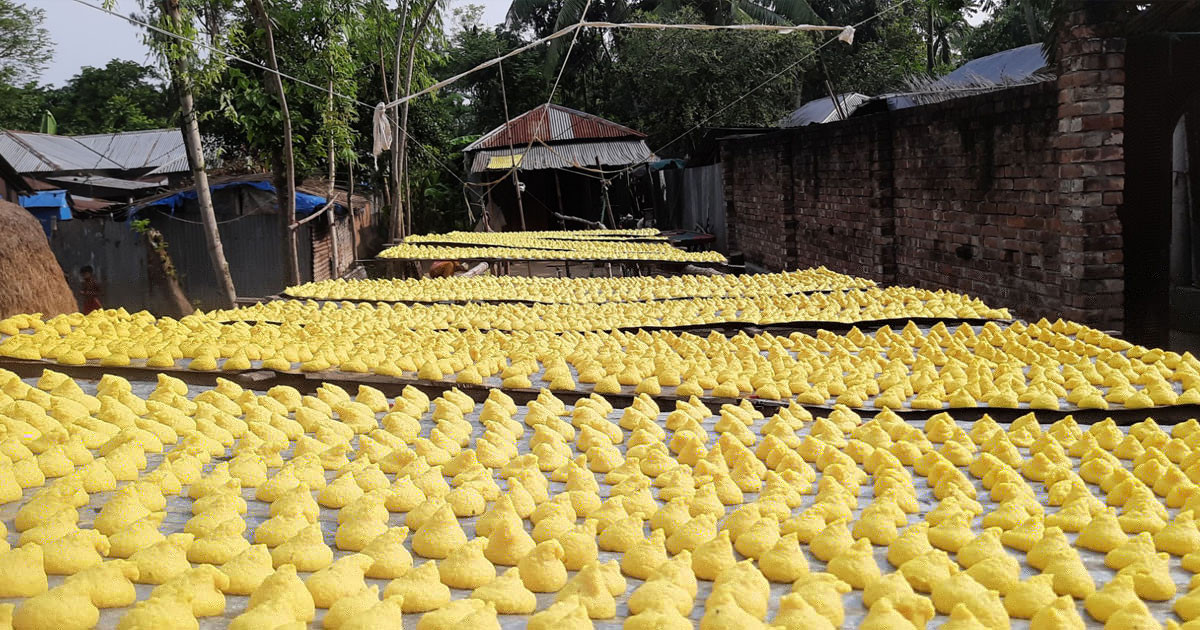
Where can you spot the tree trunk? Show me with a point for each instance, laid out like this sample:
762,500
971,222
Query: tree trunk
191,140
398,140
285,161
929,39
329,191
402,137
175,294
1031,24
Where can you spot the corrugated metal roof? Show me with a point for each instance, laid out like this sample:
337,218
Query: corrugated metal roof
30,152
138,149
177,165
552,123
40,153
822,110
103,182
1006,66
604,153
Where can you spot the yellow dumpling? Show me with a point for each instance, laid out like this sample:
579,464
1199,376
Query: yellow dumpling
421,589
508,594
67,607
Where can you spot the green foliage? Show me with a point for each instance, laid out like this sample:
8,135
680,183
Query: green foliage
666,82
121,96
140,226
1012,23
25,46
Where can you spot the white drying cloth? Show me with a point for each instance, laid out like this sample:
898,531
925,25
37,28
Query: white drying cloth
382,130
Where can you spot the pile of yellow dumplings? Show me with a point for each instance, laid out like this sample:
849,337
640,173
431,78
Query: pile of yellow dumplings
574,250
1043,365
578,290
544,238
851,306
361,509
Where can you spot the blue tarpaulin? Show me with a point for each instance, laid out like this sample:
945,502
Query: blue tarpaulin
305,203
47,205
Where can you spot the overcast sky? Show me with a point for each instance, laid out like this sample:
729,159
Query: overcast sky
86,37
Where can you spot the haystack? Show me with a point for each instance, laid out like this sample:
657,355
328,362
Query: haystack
30,279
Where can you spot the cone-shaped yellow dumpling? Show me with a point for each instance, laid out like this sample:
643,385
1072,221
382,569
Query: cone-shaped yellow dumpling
567,614
22,573
507,544
340,579
542,569
421,588
439,535
466,567
508,594
1061,615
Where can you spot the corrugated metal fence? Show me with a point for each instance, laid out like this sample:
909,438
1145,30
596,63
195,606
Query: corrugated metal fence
699,200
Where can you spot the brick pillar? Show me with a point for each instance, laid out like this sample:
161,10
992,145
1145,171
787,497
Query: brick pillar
882,203
787,190
728,170
1091,158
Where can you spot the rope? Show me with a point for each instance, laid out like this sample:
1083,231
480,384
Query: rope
845,34
758,87
190,222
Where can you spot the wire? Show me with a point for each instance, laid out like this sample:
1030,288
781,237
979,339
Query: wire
846,34
761,85
233,220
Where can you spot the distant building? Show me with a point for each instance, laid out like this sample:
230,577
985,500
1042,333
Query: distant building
331,239
102,169
560,156
823,110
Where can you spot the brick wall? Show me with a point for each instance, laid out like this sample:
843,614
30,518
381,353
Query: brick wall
975,198
757,177
1015,196
1090,144
959,195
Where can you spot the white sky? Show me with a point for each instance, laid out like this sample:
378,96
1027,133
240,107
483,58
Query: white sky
86,37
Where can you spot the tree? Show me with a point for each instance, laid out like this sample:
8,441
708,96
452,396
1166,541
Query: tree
25,45
667,82
121,96
285,159
1009,26
180,57
888,48
399,157
21,107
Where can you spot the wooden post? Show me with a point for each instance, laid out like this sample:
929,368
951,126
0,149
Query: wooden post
195,155
604,189
520,204
334,259
350,209
558,191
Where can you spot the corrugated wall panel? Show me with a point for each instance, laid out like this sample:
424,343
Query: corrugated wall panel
322,251
345,244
